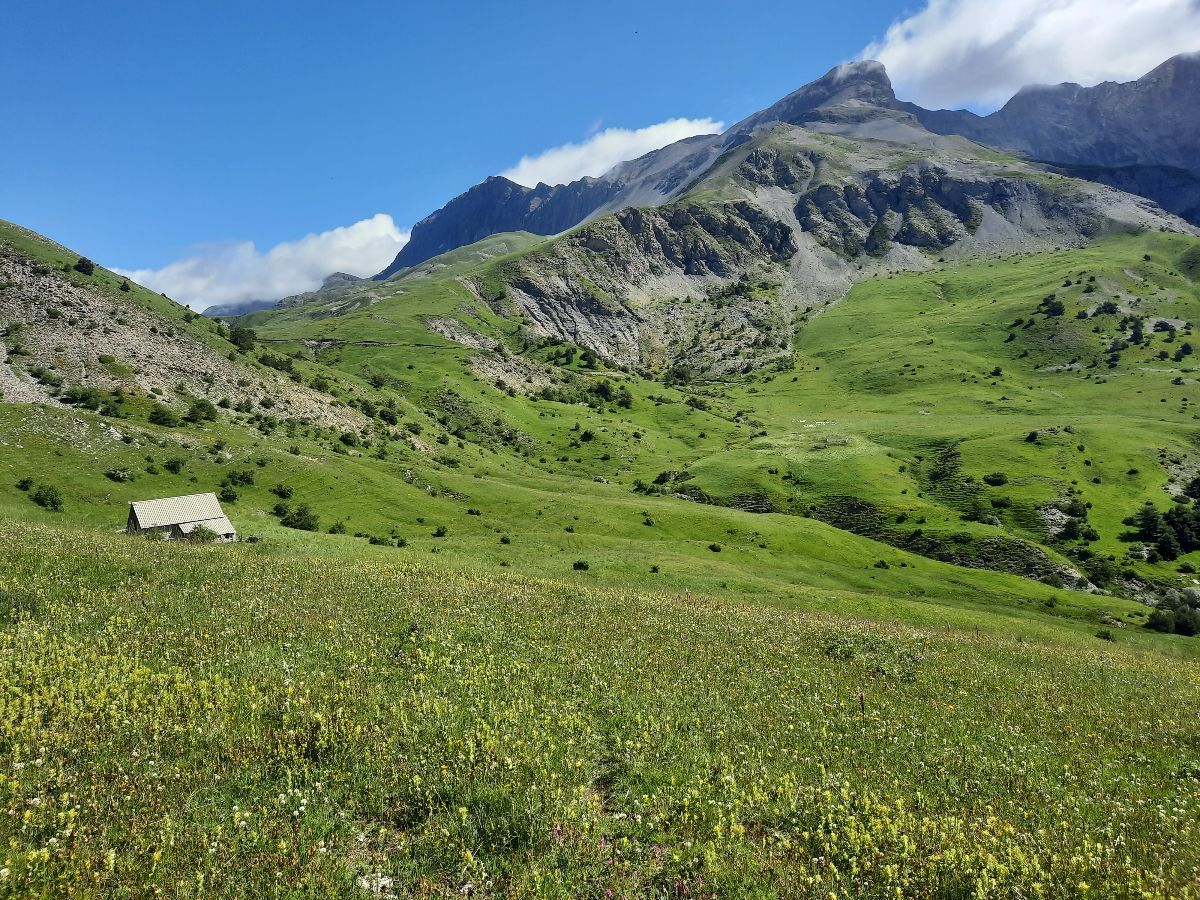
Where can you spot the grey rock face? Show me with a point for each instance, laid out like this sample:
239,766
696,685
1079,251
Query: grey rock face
590,287
925,207
1175,190
863,83
1145,127
499,205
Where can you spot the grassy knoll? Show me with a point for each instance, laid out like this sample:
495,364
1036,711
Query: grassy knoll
261,721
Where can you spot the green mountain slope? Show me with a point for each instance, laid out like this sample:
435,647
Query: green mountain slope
869,447
578,629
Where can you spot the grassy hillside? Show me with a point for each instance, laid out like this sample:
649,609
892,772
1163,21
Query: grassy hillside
258,721
815,630
867,465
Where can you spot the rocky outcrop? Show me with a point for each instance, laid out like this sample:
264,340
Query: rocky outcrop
716,287
856,84
499,205
592,286
1141,126
930,209
1175,190
59,333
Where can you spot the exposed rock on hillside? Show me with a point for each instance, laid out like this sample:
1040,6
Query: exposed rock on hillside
809,212
1147,128
86,336
1144,127
588,287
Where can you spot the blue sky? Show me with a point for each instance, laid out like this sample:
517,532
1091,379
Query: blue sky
137,130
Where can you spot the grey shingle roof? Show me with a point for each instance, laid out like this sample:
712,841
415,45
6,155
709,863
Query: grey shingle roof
179,511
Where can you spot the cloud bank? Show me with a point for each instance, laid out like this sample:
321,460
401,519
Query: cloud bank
978,53
230,273
602,151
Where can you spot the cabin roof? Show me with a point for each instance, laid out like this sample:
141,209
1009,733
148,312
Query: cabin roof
191,510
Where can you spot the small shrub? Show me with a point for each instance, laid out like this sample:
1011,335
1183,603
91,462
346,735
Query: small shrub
202,535
228,494
84,266
302,518
48,497
24,484
580,565
200,411
338,527
440,531
164,416
715,548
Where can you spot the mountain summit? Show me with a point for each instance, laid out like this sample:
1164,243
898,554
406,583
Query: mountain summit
1141,136
862,83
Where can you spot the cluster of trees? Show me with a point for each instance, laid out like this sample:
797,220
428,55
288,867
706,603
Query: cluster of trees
1175,615
564,354
1171,533
598,394
243,339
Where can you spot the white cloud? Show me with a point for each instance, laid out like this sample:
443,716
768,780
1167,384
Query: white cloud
980,52
602,151
229,273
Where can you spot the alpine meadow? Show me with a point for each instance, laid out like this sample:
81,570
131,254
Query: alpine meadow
807,510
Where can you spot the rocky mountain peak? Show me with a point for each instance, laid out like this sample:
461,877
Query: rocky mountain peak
863,82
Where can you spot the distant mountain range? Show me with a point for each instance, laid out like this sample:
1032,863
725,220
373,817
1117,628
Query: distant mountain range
1142,136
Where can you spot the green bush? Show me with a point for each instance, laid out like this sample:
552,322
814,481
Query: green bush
202,535
201,411
164,416
302,518
49,497
243,338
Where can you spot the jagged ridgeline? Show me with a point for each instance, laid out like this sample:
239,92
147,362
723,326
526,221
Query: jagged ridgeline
783,213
